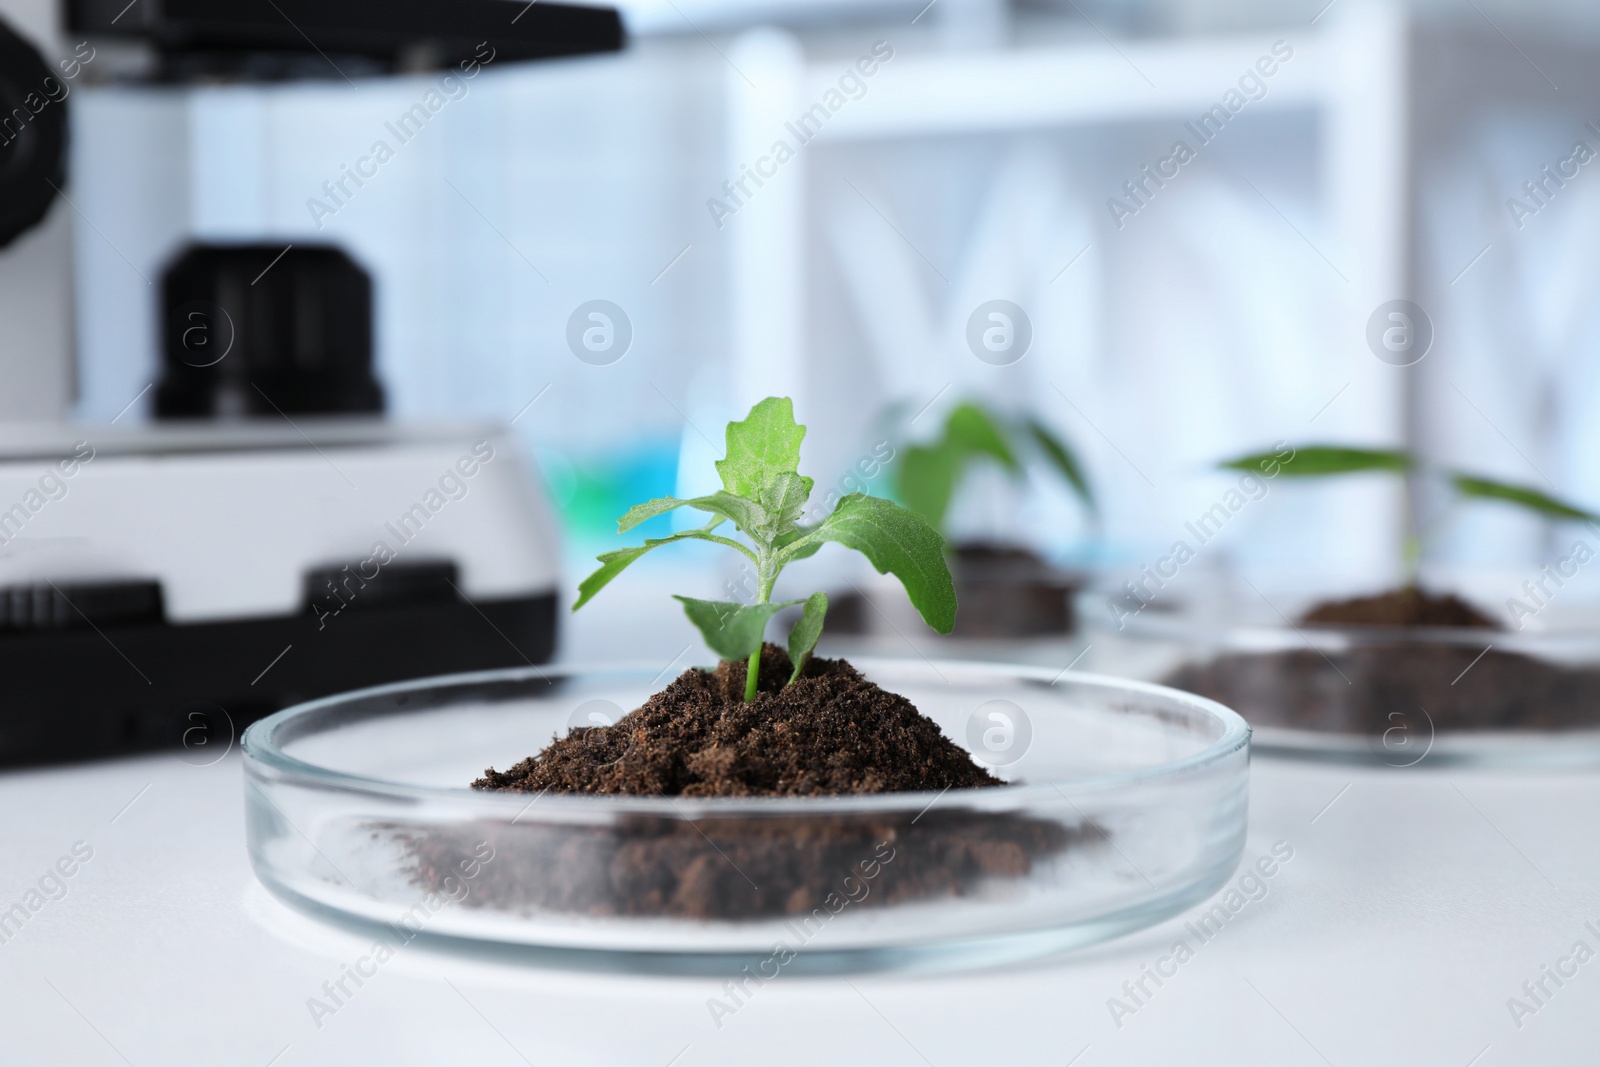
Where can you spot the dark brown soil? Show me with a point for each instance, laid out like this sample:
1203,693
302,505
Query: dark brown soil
1406,689
1415,687
831,733
1010,591
1410,606
741,868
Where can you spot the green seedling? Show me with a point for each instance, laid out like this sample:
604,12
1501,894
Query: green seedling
929,474
763,495
1318,461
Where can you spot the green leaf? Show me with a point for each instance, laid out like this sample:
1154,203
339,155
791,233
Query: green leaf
648,510
803,637
927,475
896,541
611,565
732,630
615,562
979,434
1063,460
1310,461
805,551
763,446
1469,485
745,514
926,479
781,504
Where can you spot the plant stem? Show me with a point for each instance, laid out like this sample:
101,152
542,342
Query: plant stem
1413,558
765,576
752,673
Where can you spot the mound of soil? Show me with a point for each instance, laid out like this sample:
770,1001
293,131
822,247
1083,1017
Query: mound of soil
832,733
1415,687
1410,606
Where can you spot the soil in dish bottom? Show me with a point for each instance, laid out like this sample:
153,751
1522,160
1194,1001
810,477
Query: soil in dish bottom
832,733
1373,689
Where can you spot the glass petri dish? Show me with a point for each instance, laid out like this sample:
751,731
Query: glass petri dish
1126,804
1408,697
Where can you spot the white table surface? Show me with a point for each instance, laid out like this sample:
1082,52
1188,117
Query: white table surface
1416,904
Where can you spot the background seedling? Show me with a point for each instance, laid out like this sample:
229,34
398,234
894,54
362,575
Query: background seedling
1319,461
763,495
928,475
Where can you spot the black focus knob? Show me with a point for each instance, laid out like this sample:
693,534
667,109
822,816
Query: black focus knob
264,329
33,135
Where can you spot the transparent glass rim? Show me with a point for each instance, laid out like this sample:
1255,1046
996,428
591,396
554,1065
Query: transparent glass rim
1257,637
261,746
